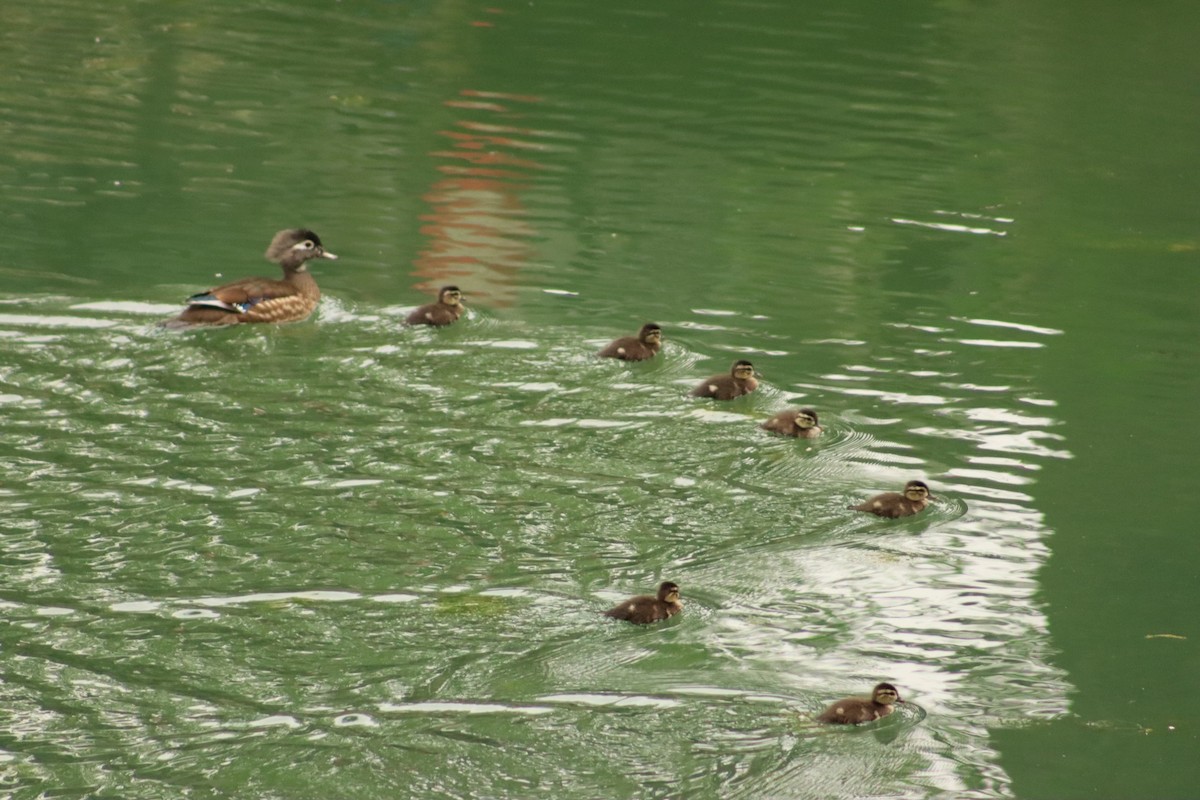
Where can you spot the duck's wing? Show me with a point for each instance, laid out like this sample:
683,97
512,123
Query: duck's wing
618,348
783,422
432,314
720,387
847,711
622,610
635,609
240,296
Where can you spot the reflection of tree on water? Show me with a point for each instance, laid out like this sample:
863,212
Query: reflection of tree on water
478,228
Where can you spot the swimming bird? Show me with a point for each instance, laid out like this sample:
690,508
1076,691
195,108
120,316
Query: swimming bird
645,609
635,348
263,299
856,710
447,309
801,423
894,504
738,382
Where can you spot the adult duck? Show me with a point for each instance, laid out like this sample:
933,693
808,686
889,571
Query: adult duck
290,299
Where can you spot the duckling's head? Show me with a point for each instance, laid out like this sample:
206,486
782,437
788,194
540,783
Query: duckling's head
742,370
668,592
917,491
450,296
885,694
291,247
650,334
806,418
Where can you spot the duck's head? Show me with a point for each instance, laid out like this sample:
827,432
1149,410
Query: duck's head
885,694
668,592
450,296
293,246
650,334
917,491
742,370
806,418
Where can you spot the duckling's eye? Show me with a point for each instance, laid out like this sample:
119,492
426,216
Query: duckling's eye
307,244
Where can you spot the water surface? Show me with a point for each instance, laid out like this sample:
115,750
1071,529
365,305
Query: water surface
348,558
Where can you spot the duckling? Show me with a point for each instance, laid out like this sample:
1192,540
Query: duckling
635,348
644,609
447,309
738,382
263,299
801,423
855,710
894,504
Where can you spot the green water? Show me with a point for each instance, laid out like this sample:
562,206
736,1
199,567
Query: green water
343,558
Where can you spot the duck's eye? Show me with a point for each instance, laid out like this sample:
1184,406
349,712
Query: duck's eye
307,244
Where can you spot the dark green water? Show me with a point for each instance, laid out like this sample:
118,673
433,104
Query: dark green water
343,558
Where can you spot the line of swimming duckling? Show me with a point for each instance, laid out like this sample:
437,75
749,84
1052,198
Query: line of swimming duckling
295,296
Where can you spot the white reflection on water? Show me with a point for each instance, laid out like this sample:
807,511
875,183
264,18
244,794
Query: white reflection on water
440,708
997,343
946,608
55,321
1019,326
128,307
607,700
950,227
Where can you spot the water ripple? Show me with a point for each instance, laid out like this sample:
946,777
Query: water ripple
313,549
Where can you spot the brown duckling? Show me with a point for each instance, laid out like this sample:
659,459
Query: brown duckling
798,422
635,348
263,299
855,710
738,382
447,309
894,504
645,609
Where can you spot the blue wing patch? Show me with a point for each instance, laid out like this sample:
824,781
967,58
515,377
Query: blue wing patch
207,300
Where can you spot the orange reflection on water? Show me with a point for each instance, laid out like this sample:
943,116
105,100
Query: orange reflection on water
478,229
